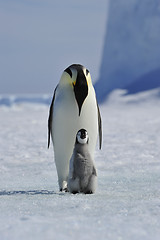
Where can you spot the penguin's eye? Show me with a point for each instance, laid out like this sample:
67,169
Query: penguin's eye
87,71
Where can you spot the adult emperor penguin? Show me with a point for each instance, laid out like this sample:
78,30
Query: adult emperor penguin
74,106
82,173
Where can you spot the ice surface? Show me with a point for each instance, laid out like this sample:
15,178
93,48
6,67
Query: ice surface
127,202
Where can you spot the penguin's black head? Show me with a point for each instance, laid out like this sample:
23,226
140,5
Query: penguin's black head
82,136
80,84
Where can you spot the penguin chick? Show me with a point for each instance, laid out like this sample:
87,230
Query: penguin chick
82,173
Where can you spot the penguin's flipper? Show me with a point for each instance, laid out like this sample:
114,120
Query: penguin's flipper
51,116
94,172
99,127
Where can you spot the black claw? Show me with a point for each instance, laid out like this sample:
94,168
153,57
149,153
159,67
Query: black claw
89,192
64,190
75,192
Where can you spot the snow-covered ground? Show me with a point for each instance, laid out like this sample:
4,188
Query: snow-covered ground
127,202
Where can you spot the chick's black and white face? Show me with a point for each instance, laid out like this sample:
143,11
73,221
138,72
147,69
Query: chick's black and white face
82,136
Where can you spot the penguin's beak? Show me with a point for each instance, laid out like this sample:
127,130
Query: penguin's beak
80,89
83,135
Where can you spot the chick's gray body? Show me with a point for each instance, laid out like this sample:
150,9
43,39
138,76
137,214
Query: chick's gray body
82,176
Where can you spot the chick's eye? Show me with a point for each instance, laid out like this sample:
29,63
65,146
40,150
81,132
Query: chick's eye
87,71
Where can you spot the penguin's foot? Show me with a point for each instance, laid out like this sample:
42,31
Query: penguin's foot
74,192
64,190
89,192
63,186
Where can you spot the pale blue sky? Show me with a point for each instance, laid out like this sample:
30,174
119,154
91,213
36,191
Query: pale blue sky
39,38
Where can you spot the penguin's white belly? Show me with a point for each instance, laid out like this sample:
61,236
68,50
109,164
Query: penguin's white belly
66,123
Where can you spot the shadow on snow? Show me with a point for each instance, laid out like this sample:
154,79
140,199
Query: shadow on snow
30,192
